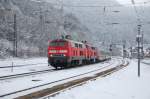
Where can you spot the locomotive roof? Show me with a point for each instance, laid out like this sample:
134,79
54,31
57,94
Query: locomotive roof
74,41
61,40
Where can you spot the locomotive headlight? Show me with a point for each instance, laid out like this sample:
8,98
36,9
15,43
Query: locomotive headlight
64,55
51,55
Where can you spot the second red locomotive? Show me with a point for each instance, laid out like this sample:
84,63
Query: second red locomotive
66,53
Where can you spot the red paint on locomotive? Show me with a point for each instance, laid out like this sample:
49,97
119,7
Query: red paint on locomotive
65,53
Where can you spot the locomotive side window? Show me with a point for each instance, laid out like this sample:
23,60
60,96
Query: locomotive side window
80,45
76,45
57,44
93,48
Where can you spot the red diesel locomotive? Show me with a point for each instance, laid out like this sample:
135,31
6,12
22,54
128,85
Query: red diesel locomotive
65,53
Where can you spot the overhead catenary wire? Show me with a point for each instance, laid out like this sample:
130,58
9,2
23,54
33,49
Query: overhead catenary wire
136,12
93,6
132,4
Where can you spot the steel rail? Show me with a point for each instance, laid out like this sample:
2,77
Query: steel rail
21,65
24,74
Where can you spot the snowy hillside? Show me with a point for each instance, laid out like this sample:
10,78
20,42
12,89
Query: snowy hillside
37,22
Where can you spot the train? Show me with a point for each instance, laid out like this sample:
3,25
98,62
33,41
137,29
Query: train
64,53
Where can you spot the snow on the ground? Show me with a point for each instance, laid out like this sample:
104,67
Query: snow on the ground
123,84
18,61
31,65
147,61
8,86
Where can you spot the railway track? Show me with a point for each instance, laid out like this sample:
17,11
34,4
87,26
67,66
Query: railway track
78,82
146,63
53,82
24,74
28,73
24,65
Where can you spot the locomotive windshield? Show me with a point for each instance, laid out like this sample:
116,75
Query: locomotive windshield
62,43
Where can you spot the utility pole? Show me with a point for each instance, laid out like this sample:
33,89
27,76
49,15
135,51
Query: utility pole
131,52
142,46
139,40
110,49
124,50
42,25
15,36
61,27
